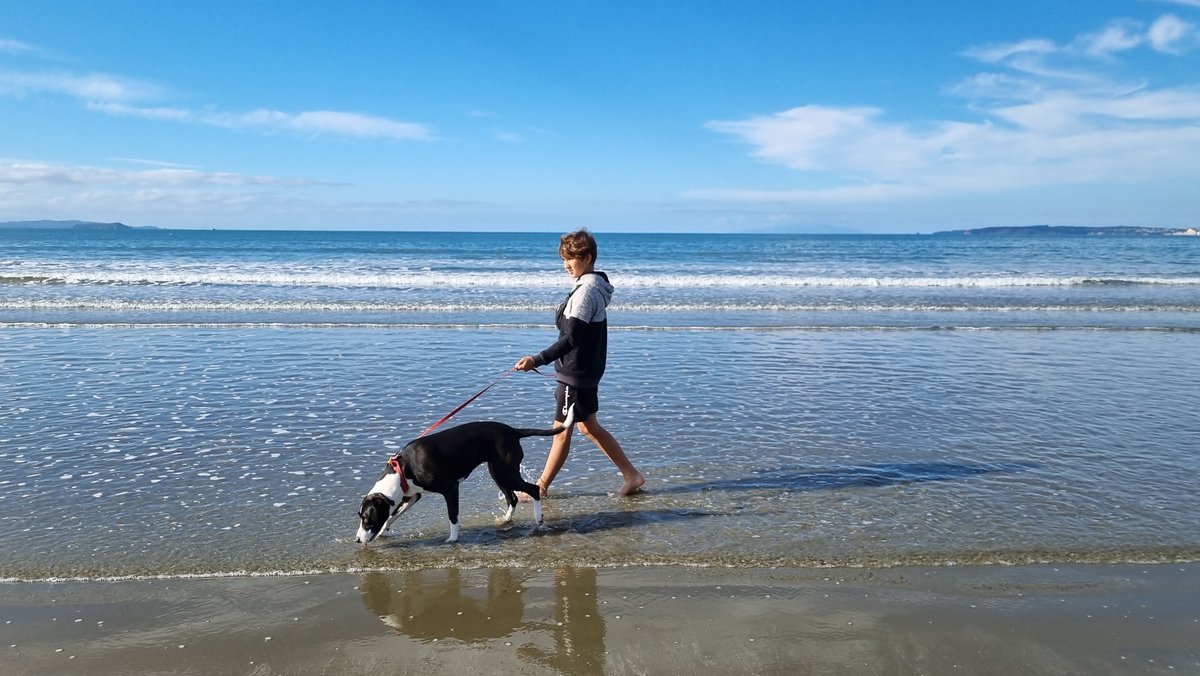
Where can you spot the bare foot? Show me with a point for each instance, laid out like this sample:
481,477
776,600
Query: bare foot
632,484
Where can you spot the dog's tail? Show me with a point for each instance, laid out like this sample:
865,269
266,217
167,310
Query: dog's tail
558,429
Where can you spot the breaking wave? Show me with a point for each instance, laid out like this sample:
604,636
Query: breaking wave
433,279
487,307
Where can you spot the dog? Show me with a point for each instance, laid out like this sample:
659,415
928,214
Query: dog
439,462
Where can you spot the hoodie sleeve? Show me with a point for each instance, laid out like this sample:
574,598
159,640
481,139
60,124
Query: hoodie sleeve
567,341
588,304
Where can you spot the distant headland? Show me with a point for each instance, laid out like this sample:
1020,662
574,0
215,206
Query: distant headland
73,225
1069,231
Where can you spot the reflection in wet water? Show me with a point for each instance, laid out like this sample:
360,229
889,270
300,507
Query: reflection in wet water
559,627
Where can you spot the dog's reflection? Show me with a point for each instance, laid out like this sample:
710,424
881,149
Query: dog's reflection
437,604
451,604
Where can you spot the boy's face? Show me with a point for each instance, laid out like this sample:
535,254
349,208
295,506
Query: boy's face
577,267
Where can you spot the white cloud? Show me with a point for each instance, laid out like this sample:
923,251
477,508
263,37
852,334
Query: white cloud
1042,57
1003,51
120,96
315,123
340,123
46,174
848,141
164,194
15,47
154,163
877,192
92,87
149,113
1047,121
1170,34
1118,37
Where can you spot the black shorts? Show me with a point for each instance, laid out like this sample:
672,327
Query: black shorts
586,400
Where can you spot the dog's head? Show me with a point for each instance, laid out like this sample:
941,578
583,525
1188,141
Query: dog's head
373,515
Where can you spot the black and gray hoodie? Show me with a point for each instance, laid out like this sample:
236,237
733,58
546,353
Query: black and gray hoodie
581,350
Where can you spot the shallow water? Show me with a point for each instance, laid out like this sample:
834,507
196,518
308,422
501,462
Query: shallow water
211,403
159,451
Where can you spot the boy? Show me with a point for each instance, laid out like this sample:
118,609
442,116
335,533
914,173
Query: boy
579,357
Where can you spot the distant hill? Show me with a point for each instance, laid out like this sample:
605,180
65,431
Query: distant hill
72,225
1063,231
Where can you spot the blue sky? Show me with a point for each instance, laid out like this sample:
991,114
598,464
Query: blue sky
730,116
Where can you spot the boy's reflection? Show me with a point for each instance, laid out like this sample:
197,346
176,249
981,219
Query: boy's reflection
577,629
440,604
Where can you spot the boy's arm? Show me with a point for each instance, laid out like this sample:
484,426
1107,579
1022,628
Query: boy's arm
580,308
566,343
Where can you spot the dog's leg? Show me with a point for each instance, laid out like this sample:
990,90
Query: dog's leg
536,494
451,495
505,480
509,508
405,503
510,481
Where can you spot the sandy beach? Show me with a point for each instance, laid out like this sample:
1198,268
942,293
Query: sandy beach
1041,619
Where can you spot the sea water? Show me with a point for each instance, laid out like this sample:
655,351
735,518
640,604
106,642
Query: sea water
218,402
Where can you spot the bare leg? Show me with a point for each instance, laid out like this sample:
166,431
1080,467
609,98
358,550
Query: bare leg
559,449
592,429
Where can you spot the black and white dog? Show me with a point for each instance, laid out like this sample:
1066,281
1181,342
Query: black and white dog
439,462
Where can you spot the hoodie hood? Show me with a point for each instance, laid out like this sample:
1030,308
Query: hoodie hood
597,281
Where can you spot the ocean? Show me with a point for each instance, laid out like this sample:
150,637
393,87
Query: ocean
211,403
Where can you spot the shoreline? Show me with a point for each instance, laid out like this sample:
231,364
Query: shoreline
990,619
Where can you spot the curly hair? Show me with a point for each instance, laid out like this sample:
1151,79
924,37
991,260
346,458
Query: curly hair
578,244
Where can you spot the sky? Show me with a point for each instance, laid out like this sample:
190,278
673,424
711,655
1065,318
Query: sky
622,116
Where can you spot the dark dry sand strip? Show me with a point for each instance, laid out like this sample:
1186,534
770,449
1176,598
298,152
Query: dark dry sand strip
1044,619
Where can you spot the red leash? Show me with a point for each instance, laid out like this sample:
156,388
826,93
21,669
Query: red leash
394,461
463,405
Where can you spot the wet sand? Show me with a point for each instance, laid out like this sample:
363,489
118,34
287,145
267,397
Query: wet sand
1044,619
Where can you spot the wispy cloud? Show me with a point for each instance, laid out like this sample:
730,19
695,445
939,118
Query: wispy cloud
90,87
154,163
324,122
129,97
174,196
1047,114
162,194
1168,34
46,174
15,47
314,123
1171,34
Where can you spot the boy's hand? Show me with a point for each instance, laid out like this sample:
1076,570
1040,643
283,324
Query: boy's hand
525,364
